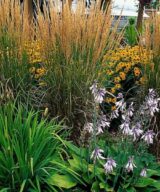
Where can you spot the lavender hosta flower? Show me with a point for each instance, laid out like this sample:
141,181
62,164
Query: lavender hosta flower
120,104
152,93
103,121
125,126
99,130
88,127
152,105
109,165
93,88
115,114
120,96
143,172
130,165
98,93
130,110
136,131
148,137
97,154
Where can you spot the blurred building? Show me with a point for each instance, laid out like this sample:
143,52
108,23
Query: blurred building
122,10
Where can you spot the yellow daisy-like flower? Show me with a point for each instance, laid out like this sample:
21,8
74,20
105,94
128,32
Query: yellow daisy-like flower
113,108
109,72
120,66
108,100
114,100
113,90
122,75
137,71
118,86
117,79
40,70
37,60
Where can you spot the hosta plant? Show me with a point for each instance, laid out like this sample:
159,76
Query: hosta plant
107,174
125,163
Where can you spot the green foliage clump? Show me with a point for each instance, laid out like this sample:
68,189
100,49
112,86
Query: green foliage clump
27,147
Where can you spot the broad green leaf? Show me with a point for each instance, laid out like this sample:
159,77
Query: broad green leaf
95,187
86,178
62,181
131,189
151,172
120,189
150,189
4,190
82,152
144,182
78,163
156,184
126,185
93,168
106,187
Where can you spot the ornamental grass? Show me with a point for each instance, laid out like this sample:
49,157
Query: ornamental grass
152,40
75,43
62,51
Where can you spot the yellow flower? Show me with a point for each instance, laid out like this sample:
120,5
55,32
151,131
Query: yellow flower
118,86
40,70
113,90
108,100
117,79
137,71
122,75
109,72
120,66
111,64
39,60
114,100
113,108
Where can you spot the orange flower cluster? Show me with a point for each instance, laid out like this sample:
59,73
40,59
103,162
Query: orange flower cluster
124,66
34,51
